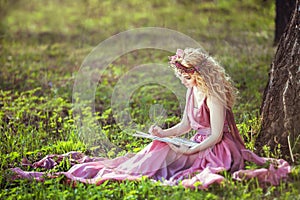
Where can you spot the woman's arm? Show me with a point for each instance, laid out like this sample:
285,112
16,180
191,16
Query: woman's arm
179,129
217,117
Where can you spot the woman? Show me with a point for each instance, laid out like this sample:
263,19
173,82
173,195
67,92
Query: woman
209,99
209,87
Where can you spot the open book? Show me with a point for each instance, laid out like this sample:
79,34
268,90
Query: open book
177,141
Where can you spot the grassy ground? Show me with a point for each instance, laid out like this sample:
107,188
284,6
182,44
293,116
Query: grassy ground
43,44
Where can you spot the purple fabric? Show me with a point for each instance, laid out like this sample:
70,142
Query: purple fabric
158,162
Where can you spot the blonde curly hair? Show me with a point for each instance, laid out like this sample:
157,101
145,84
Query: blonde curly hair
210,76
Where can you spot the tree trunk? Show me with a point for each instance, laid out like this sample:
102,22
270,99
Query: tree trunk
284,10
280,109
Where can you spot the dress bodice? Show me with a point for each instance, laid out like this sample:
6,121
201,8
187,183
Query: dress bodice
199,118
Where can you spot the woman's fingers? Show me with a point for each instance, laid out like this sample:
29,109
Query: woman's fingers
154,130
151,129
182,149
173,147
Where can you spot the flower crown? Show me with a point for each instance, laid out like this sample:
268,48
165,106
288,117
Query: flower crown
176,62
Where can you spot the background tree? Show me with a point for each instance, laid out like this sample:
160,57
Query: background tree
284,10
281,104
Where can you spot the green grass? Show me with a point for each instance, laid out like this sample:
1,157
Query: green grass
43,44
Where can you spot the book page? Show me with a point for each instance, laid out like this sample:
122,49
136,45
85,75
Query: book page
174,140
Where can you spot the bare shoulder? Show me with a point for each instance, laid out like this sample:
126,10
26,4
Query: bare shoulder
213,101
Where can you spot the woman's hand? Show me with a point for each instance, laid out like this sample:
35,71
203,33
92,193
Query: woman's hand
182,149
156,131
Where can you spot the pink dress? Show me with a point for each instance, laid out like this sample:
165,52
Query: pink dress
159,162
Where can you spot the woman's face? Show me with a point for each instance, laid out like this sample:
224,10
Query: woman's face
186,79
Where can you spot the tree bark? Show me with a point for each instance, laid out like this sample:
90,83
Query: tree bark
284,10
280,109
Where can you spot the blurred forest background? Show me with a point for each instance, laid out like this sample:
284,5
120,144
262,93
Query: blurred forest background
42,46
